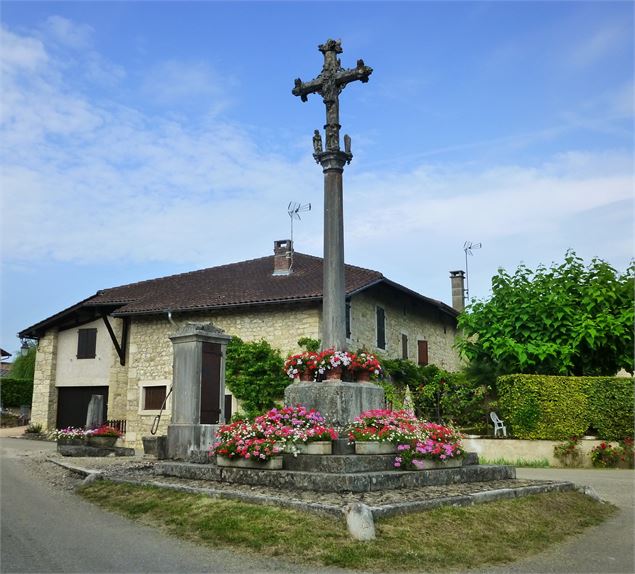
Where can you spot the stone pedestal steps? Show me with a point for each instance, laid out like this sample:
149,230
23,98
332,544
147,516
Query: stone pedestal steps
320,479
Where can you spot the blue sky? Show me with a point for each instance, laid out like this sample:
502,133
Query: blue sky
145,139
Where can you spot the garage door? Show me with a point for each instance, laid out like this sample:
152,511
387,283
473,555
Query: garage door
72,405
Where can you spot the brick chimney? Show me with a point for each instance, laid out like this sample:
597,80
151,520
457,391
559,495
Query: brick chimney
282,256
458,289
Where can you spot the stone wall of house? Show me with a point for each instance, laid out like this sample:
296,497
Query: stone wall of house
150,350
44,406
117,376
415,319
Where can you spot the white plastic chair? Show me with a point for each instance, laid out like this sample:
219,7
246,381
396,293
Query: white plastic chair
498,424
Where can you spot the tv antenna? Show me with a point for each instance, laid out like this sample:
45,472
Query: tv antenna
467,247
294,210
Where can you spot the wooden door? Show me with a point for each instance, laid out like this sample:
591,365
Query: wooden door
210,384
423,352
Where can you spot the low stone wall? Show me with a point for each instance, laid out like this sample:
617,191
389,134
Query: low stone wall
529,450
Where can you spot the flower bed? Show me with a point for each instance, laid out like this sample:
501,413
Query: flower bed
417,442
270,434
433,443
332,363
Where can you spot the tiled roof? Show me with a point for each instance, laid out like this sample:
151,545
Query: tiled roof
245,283
237,284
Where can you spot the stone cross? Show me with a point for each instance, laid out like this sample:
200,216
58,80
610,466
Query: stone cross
329,84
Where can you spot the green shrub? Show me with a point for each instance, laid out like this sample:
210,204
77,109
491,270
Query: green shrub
254,374
16,392
558,407
34,429
611,406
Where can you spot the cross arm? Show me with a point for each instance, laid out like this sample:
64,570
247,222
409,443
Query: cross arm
361,72
303,89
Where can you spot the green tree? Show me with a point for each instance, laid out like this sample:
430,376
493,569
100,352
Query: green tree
24,365
254,374
569,319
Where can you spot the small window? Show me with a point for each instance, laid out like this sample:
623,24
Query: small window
86,343
153,398
381,328
423,352
348,319
404,346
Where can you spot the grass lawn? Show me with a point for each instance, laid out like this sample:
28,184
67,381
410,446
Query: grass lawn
438,540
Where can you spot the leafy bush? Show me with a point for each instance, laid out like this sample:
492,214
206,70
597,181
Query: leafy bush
555,407
34,429
16,392
606,455
568,452
437,394
254,374
23,366
611,406
569,319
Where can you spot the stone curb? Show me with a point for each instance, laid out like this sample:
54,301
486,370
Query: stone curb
469,499
86,472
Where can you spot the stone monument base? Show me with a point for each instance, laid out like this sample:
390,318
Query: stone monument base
190,442
339,402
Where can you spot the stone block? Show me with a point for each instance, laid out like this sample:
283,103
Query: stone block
338,401
338,464
359,521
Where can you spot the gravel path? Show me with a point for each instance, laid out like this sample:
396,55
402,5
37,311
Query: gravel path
142,471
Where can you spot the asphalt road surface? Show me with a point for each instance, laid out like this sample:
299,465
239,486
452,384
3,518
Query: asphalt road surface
44,529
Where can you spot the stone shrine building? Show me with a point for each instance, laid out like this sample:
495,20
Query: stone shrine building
116,342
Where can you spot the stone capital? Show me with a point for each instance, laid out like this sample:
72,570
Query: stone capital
333,160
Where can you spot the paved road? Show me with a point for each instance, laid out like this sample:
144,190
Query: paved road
44,530
607,548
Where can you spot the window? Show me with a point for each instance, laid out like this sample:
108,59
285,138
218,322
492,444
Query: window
423,352
348,319
381,328
153,398
86,343
404,346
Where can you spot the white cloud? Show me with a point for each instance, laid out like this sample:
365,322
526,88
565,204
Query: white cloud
180,83
68,33
20,53
90,181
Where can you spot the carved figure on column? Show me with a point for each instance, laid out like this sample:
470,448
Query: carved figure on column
317,142
347,144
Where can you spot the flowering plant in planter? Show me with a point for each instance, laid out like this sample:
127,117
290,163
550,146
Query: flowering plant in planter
298,424
246,439
301,363
321,433
331,360
104,430
433,442
268,435
367,363
69,433
384,425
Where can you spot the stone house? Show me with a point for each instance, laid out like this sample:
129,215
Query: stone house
115,343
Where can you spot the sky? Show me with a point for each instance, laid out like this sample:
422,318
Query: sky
143,139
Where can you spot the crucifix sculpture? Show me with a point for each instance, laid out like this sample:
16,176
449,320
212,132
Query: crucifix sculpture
329,84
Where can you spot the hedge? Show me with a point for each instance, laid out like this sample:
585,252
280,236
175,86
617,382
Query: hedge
16,392
558,407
